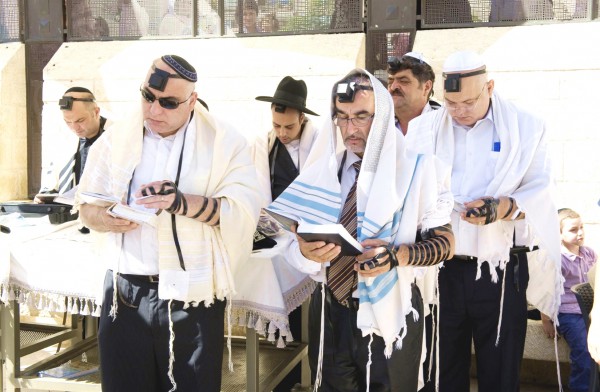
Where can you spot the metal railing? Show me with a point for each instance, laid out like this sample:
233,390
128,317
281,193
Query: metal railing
133,19
477,13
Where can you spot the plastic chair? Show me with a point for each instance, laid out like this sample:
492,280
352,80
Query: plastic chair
585,298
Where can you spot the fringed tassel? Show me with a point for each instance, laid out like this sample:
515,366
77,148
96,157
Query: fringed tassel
272,329
171,350
501,307
86,308
75,309
319,372
229,326
113,308
259,326
369,362
560,388
97,310
280,342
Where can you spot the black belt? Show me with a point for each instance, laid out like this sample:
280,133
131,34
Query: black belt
143,278
513,251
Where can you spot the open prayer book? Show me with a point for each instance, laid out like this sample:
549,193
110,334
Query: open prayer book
123,211
328,232
118,210
99,199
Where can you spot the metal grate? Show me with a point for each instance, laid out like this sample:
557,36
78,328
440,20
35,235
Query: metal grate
130,19
382,46
469,13
9,21
287,16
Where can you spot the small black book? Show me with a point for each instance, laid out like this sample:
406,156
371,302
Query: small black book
330,233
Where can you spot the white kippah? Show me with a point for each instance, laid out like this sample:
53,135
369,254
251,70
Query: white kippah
417,55
463,61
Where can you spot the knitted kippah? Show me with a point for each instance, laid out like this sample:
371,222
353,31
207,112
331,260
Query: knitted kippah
181,67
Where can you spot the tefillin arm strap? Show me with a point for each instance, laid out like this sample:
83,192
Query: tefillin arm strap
168,188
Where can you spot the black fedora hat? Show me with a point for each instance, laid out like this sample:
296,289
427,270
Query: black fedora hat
291,93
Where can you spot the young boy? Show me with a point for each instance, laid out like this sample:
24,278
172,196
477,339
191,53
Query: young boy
577,260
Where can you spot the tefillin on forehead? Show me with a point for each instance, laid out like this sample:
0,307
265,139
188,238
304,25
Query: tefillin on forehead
183,70
452,81
66,102
346,91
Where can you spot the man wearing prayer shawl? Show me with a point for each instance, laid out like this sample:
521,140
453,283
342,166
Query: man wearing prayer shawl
165,293
366,316
507,242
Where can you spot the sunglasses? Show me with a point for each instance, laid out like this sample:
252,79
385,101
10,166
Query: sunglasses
166,103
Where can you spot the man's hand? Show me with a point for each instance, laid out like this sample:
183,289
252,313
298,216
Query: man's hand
487,210
375,247
160,202
317,251
97,218
548,326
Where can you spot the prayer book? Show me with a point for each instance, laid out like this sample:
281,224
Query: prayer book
99,199
123,211
329,232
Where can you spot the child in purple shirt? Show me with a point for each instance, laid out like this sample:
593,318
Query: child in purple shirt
577,260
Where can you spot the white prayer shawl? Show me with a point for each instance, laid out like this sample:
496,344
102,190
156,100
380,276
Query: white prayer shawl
216,163
522,172
398,193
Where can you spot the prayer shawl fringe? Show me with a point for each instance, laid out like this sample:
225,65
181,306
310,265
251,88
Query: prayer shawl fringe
47,301
385,209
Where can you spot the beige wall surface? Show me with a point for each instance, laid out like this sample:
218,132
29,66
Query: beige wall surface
13,122
554,71
231,73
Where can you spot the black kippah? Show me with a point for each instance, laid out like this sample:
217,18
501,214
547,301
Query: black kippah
77,89
181,66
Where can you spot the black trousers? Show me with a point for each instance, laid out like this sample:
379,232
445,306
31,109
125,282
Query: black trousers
469,312
346,351
134,348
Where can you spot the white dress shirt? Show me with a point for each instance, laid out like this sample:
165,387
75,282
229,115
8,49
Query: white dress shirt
476,151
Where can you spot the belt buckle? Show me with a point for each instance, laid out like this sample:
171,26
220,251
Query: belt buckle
153,278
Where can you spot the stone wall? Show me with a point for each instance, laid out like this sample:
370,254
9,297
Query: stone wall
231,73
554,71
13,122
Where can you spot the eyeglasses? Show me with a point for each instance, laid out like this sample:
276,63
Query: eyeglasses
167,103
360,121
467,107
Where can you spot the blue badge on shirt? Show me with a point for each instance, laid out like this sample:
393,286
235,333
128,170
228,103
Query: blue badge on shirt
496,146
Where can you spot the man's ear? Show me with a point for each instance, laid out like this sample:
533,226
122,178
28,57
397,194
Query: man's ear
490,86
428,87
